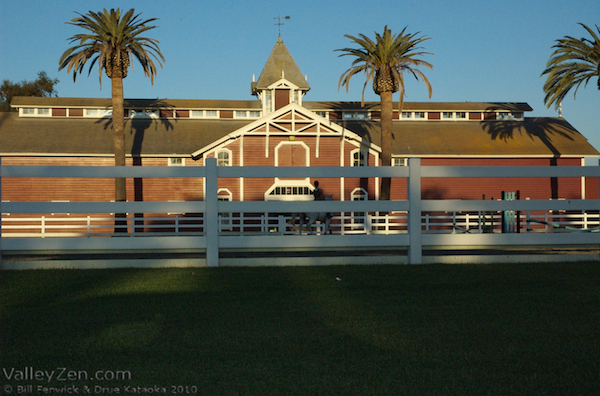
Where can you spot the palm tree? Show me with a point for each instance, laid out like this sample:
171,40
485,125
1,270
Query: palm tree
384,60
573,62
113,40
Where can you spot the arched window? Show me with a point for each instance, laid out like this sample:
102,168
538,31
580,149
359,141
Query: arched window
358,158
225,223
359,194
223,157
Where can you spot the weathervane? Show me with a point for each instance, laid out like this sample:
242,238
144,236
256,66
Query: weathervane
279,22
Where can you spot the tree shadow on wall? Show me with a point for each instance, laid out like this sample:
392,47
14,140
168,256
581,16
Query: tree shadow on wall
137,126
546,130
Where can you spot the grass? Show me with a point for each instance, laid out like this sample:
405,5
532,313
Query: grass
529,329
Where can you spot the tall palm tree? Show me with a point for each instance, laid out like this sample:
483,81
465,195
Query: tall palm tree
573,62
385,60
113,40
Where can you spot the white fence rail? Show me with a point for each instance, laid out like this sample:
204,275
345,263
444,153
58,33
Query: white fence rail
412,224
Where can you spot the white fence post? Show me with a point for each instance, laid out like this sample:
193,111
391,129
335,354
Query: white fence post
211,216
415,253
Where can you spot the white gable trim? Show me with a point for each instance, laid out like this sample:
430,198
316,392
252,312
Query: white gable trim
290,120
283,84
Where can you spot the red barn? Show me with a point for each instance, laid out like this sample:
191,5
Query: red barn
281,129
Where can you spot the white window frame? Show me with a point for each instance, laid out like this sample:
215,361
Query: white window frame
359,115
399,161
176,161
99,113
413,116
229,155
246,114
225,220
203,113
144,113
359,194
35,112
361,152
283,190
509,115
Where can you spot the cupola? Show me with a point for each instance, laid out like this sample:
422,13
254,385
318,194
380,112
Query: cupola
281,82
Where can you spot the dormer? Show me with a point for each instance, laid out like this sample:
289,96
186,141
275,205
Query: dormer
281,82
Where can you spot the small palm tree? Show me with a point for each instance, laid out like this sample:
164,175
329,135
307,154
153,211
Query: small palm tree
112,41
385,60
573,62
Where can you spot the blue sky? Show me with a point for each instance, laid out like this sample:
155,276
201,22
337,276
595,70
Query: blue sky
482,50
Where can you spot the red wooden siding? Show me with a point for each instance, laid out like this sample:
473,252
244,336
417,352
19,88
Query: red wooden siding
282,98
60,112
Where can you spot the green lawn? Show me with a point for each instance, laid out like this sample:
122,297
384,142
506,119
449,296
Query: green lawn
527,329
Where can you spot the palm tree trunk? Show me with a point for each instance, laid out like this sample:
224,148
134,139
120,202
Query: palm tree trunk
118,124
386,141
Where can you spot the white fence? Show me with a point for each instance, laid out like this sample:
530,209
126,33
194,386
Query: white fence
412,224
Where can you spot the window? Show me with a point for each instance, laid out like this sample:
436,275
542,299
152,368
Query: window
204,114
356,115
223,158
35,111
290,190
358,158
97,112
322,114
139,113
399,161
246,114
510,115
359,194
295,97
175,161
412,115
454,115
225,221
268,100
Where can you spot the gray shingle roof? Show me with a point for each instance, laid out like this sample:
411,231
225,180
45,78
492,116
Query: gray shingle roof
281,60
86,136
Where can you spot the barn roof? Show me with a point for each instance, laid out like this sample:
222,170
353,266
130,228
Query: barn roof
93,137
530,137
547,137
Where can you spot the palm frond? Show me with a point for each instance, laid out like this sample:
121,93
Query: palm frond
387,54
573,62
112,39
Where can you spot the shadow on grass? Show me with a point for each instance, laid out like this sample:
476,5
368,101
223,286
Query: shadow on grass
493,329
